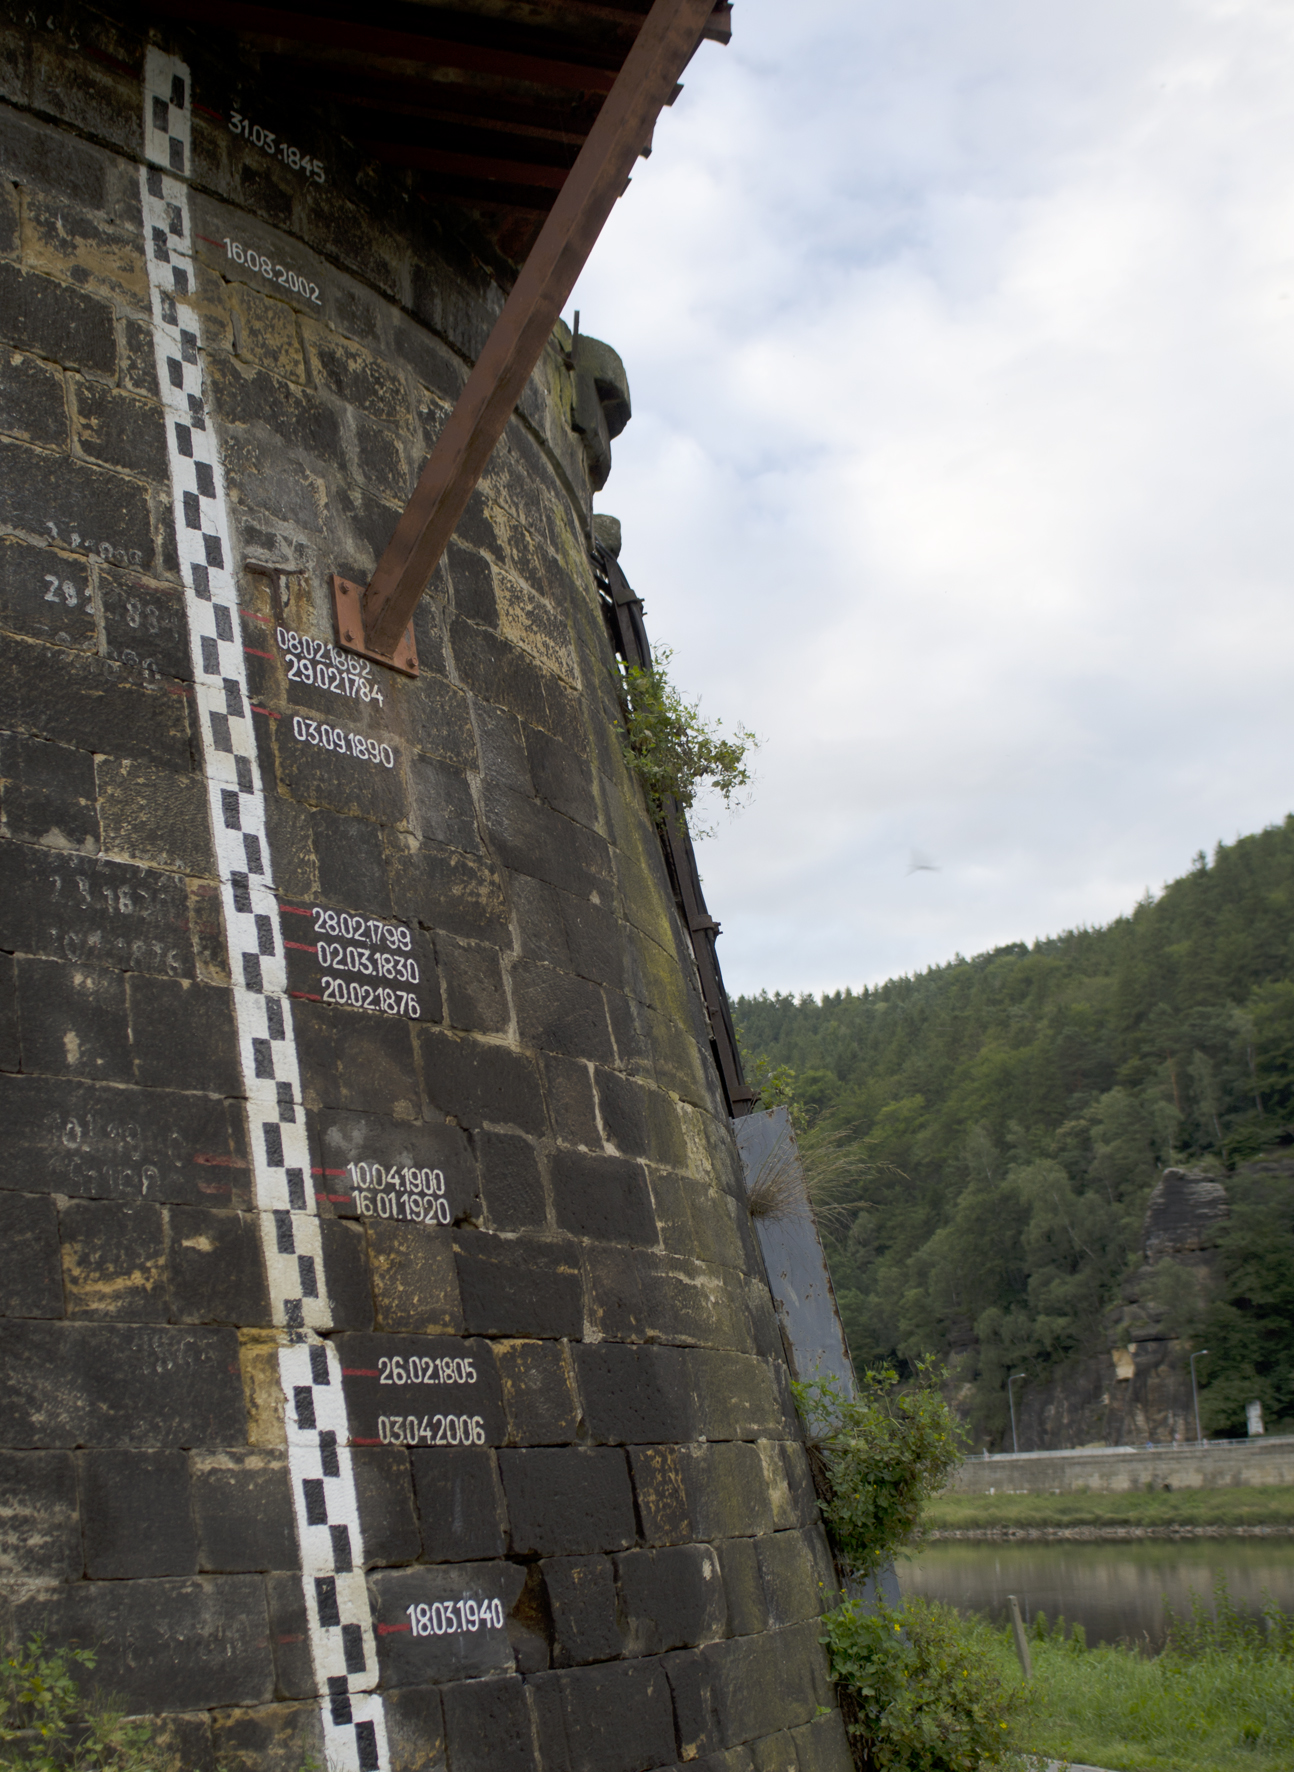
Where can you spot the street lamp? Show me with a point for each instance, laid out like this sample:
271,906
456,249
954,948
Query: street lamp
1195,1393
1011,1400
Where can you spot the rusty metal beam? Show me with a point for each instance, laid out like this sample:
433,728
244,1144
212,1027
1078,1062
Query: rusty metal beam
367,40
661,51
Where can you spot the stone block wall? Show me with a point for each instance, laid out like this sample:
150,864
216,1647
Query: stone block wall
387,1370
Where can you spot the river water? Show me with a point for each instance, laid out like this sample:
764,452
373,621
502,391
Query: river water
1116,1591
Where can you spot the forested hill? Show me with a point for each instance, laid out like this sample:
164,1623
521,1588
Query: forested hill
1005,1117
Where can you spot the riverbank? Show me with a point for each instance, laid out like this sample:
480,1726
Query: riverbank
1114,1708
1181,1513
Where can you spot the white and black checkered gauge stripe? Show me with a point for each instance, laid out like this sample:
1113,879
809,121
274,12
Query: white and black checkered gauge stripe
323,1485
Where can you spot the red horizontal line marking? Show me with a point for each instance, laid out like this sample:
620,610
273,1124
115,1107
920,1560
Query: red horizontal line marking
177,689
218,1162
251,615
208,239
310,996
385,1630
296,910
255,654
268,712
303,947
359,1440
219,117
111,61
337,1199
359,1372
331,1172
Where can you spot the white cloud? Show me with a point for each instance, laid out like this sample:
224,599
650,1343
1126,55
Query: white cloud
961,339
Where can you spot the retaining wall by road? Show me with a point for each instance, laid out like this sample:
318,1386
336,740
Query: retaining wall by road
1111,1468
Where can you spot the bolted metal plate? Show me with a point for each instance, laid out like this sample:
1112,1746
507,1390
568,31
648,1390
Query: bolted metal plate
347,600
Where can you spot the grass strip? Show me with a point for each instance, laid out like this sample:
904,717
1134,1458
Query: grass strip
1226,1711
1232,1507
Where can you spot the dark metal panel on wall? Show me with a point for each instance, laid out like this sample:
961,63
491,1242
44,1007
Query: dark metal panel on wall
624,612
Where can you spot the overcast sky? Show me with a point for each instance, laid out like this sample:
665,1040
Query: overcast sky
961,342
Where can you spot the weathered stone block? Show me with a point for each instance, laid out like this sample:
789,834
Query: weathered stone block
568,1090
617,1717
88,910
355,1060
40,1528
558,1012
742,1586
512,1186
74,700
797,1575
604,1197
89,1384
120,430
31,1278
738,1396
46,596
415,1282
114,1260
154,816
616,1308
538,1392
480,1083
764,1684
415,1729
567,1501
727,1492
408,1656
461,1511
513,1288
271,1738
31,401
562,777
661,1491
696,1720
670,1599
635,1395
775,1753
384,1485
137,1515
242,1508
164,1645
215,1272
183,1035
74,1021
530,839
475,995
822,1745
97,1142
488,1727
60,324
466,891
582,1601
48,794
144,629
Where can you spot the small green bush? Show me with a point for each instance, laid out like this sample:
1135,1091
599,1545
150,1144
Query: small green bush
669,747
922,1694
883,1454
46,1725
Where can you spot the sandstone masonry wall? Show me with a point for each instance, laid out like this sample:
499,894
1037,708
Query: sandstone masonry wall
473,1446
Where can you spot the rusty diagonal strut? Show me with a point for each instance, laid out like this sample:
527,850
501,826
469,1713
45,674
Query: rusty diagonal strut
384,610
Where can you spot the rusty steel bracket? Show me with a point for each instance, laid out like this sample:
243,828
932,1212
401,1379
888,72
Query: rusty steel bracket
348,606
669,36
